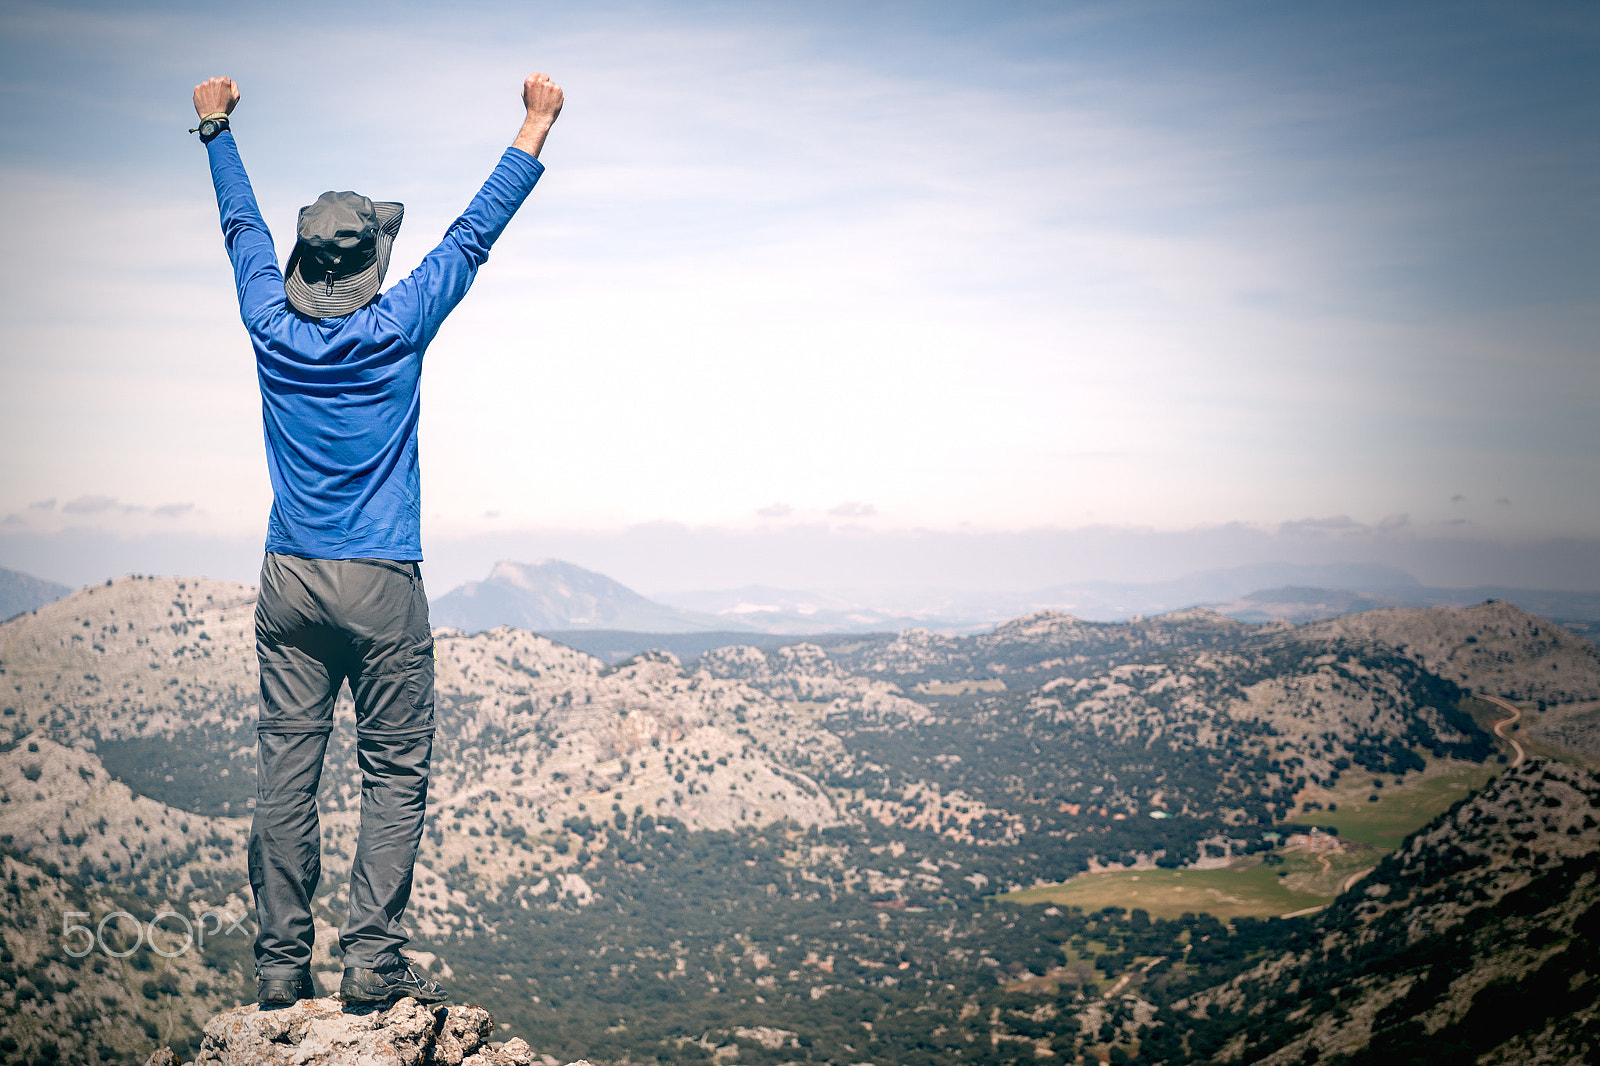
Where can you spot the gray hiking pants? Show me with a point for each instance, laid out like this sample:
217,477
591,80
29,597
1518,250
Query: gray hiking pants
318,622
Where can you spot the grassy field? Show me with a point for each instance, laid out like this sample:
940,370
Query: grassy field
1297,879
1400,810
1256,891
961,688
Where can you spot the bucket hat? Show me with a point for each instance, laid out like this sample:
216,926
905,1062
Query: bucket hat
341,253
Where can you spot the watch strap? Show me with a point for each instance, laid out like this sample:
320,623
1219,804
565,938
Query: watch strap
211,125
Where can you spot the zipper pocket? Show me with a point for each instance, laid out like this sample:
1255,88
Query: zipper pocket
409,570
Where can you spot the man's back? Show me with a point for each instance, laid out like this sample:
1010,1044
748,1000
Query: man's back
340,407
340,404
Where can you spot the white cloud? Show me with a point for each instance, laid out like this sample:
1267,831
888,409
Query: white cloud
89,505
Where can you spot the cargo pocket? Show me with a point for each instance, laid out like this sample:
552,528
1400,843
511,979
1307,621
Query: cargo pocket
399,703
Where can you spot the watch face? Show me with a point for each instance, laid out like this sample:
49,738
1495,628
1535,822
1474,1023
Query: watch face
209,127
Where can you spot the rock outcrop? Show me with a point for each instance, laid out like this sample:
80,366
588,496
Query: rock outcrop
318,1032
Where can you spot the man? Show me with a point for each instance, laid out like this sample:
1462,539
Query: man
341,590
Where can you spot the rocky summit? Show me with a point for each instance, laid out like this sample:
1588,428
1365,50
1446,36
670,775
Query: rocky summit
318,1032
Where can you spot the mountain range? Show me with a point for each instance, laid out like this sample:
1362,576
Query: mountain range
1257,593
912,847
558,597
611,620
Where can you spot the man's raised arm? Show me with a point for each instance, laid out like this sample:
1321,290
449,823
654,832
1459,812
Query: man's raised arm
244,232
445,274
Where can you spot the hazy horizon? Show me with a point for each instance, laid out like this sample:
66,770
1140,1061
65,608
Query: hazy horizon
660,559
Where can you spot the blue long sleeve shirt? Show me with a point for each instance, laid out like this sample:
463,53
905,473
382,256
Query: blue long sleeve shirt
339,396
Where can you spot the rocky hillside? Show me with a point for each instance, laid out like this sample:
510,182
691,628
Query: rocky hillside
132,658
1494,647
1044,644
1475,942
80,979
1499,649
1272,714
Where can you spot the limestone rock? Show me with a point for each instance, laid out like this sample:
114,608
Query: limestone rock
317,1032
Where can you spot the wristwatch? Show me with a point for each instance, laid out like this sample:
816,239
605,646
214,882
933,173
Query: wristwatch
210,126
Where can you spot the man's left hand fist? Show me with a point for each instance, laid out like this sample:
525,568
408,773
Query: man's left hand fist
215,94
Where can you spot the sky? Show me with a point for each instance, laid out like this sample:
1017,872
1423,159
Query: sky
992,275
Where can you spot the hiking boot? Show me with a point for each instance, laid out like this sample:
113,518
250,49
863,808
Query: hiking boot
389,986
284,991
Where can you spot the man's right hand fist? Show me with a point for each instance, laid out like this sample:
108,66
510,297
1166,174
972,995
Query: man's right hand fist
542,97
220,94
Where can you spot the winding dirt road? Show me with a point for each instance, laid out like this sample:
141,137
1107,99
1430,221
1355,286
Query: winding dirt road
1501,726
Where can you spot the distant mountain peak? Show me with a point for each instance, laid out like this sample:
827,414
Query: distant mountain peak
21,592
556,577
553,595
